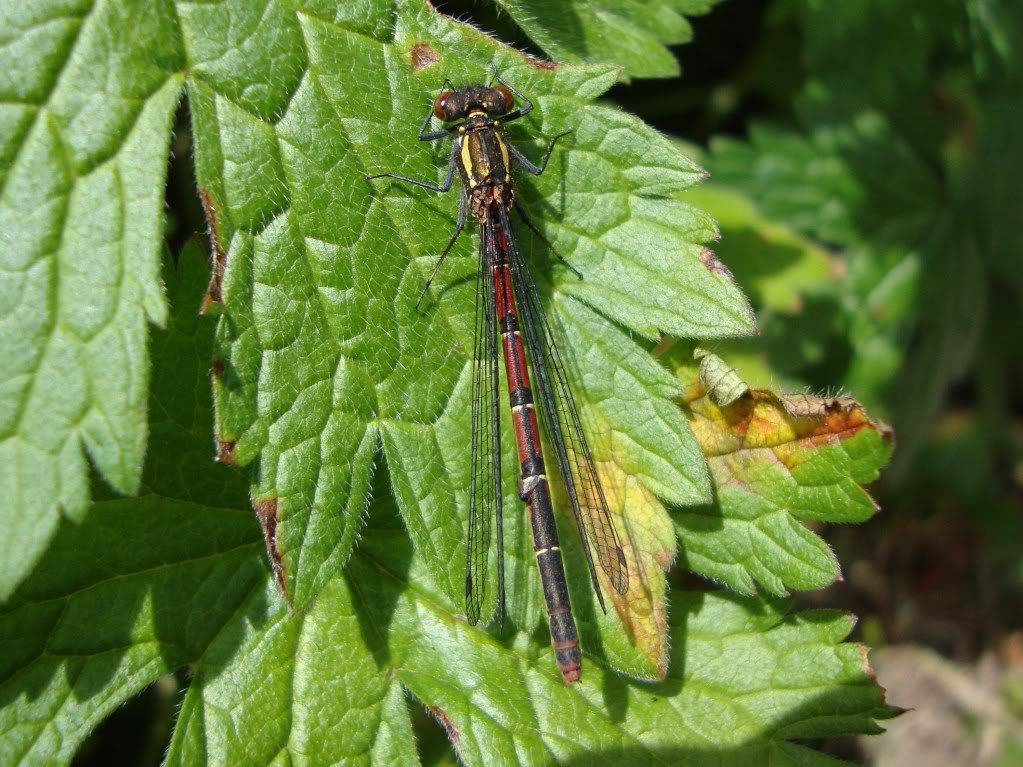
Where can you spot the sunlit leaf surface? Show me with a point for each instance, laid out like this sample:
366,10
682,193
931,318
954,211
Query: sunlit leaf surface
86,99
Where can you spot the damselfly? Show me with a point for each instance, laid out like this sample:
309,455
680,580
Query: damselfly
508,303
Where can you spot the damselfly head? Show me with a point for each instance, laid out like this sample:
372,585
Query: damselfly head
454,105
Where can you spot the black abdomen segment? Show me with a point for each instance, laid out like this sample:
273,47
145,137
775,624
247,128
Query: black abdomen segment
564,636
534,488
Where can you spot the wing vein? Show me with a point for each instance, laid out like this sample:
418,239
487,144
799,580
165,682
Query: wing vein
564,426
485,452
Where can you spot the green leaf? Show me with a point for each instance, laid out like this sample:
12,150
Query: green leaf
633,34
900,37
306,686
325,684
775,265
144,586
180,402
859,185
323,358
88,95
777,461
840,181
745,679
138,588
320,361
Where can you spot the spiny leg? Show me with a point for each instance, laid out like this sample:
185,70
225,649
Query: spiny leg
528,164
443,187
459,225
532,227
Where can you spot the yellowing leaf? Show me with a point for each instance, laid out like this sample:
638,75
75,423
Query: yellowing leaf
777,461
650,546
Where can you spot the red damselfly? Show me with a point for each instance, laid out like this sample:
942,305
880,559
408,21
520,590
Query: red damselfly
508,304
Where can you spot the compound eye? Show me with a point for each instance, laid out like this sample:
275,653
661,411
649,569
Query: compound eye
439,103
506,97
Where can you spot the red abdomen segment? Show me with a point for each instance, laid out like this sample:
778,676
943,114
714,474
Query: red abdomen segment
534,488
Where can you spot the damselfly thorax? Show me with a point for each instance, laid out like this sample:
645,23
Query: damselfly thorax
483,164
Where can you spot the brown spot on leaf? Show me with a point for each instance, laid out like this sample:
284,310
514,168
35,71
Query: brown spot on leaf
225,452
864,653
664,557
218,258
839,423
741,415
811,406
713,263
266,513
454,734
422,55
829,417
218,367
787,424
538,63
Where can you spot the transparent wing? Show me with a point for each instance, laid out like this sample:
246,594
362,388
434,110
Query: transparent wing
485,452
564,426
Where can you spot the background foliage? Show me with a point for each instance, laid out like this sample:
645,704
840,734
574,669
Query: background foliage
865,204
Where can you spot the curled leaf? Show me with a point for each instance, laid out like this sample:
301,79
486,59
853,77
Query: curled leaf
723,383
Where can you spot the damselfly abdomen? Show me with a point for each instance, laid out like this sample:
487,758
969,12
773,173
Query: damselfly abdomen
508,304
